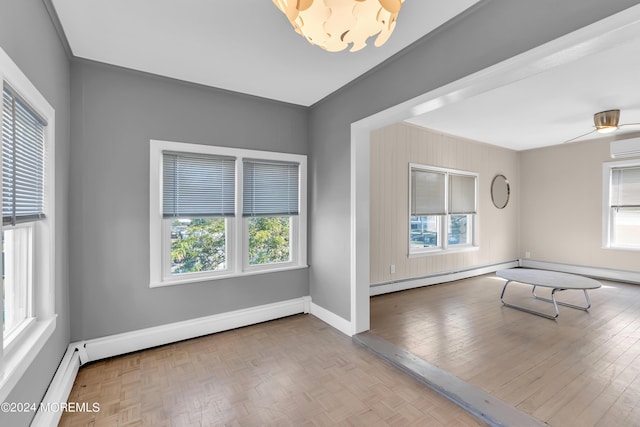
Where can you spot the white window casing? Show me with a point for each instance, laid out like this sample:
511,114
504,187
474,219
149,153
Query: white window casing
236,224
621,202
443,193
34,221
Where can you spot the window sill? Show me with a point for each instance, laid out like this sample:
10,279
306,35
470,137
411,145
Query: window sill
22,351
183,281
444,251
622,248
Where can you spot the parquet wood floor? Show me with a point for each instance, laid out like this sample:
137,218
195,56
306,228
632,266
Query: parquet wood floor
295,371
581,370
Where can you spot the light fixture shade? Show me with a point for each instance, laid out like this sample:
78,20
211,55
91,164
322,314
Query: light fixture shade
606,121
334,24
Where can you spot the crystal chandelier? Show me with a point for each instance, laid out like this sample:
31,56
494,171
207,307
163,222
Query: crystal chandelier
334,24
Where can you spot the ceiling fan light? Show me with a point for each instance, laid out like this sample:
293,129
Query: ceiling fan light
606,129
606,121
335,24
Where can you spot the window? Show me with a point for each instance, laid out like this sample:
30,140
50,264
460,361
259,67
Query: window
219,212
270,207
621,216
28,279
442,209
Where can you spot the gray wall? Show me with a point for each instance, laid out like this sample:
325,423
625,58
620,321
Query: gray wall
494,31
115,112
29,38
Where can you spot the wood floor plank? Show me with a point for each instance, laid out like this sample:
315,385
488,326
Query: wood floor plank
295,371
580,370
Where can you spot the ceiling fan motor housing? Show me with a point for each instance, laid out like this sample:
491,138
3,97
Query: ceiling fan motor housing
606,121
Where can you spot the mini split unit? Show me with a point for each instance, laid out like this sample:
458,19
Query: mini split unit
625,148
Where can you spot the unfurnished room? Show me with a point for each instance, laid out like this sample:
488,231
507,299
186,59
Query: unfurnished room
319,213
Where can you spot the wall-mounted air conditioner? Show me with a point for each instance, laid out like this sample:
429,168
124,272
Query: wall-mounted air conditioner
625,148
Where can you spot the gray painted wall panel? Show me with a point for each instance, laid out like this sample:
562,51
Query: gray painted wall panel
493,31
29,38
115,114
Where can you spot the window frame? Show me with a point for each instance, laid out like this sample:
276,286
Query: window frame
24,344
443,246
607,217
237,226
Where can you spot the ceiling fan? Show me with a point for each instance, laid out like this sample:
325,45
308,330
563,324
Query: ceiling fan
605,122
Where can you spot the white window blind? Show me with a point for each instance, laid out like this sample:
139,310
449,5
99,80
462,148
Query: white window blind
625,188
22,161
198,185
427,193
270,188
462,194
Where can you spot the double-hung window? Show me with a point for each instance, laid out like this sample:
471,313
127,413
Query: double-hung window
270,208
28,279
442,209
198,208
219,212
621,215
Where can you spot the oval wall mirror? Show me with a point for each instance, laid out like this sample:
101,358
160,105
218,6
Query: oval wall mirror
500,191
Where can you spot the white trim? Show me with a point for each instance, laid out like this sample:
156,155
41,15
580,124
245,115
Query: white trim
82,352
59,389
590,40
201,278
606,203
236,235
15,361
434,279
141,339
442,245
332,319
23,353
597,272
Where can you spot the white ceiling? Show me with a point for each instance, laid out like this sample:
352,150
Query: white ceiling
246,46
249,46
553,106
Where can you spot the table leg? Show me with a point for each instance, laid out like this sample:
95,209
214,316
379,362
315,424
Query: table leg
528,310
566,304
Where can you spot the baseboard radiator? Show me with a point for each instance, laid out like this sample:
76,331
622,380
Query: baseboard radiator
436,278
82,352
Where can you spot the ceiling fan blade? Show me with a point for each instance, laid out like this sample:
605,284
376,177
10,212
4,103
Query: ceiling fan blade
629,124
578,137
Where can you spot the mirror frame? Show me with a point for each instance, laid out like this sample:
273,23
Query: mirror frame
495,182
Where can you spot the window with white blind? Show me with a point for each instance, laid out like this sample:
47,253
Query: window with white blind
28,278
270,207
621,205
442,209
219,212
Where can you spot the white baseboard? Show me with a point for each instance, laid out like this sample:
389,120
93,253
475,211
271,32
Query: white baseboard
58,390
128,342
332,319
81,352
597,272
449,276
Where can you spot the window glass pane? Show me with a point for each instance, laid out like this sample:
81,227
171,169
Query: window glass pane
270,188
22,162
15,277
198,185
459,230
269,239
625,187
424,231
427,192
198,244
625,230
462,194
